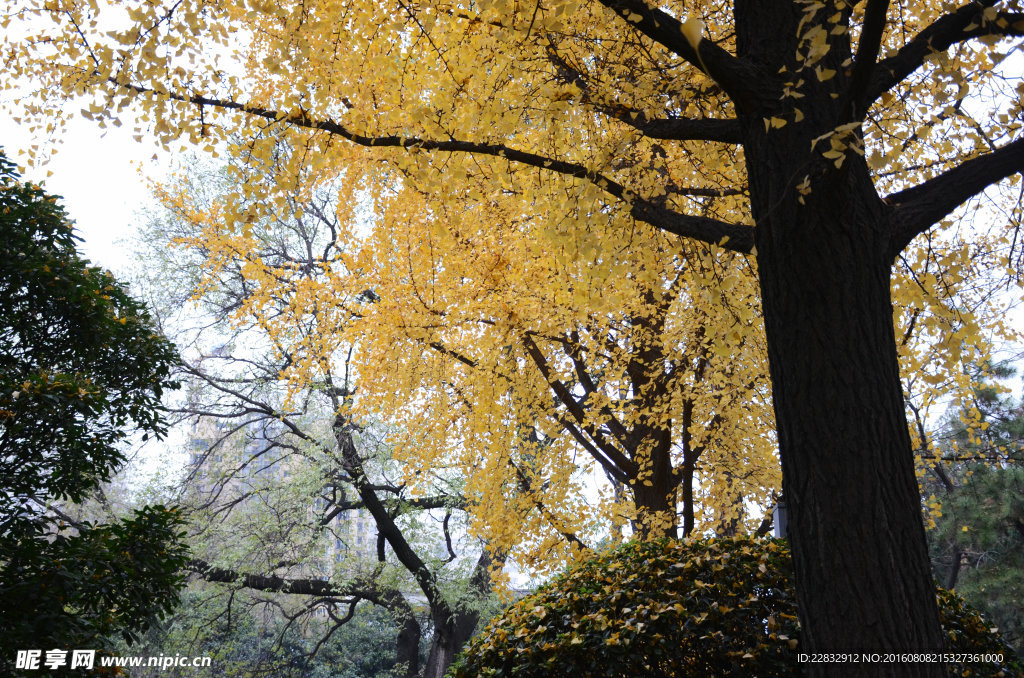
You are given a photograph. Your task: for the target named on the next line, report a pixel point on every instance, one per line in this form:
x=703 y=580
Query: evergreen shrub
x=717 y=607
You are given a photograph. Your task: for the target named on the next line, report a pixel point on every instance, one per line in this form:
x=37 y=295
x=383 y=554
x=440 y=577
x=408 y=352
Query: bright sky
x=97 y=174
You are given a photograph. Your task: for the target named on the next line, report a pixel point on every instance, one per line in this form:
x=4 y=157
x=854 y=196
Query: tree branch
x=622 y=464
x=917 y=209
x=706 y=230
x=273 y=583
x=744 y=83
x=867 y=53
x=727 y=131
x=440 y=610
x=525 y=486
x=562 y=419
x=963 y=24
x=734 y=237
x=419 y=503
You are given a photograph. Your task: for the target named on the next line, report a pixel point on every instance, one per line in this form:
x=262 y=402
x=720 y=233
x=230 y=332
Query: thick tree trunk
x=448 y=642
x=654 y=488
x=858 y=542
x=863 y=574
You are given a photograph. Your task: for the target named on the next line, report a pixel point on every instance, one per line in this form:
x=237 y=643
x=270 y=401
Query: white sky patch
x=97 y=173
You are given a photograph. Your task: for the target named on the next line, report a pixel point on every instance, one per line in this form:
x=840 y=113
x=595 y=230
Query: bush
x=721 y=607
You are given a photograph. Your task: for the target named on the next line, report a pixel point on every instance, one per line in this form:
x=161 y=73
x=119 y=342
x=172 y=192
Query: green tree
x=978 y=545
x=977 y=542
x=242 y=642
x=81 y=368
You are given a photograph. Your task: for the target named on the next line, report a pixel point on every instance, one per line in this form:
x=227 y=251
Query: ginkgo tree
x=817 y=137
x=280 y=472
x=525 y=369
x=462 y=391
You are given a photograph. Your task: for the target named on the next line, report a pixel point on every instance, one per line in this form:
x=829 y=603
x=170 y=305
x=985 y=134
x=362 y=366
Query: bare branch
x=917 y=209
x=440 y=610
x=419 y=503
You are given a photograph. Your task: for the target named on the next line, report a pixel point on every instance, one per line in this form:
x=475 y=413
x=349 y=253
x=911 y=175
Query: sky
x=97 y=172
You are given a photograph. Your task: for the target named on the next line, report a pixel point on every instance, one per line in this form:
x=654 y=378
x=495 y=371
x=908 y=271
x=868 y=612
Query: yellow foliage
x=495 y=171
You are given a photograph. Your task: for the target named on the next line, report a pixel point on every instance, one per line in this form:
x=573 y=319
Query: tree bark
x=863 y=575
x=449 y=638
x=407 y=644
x=858 y=542
x=654 y=488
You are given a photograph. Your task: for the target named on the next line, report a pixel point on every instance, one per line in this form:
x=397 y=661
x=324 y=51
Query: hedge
x=717 y=607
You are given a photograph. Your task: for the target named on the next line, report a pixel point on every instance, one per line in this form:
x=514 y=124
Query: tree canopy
x=81 y=368
x=809 y=142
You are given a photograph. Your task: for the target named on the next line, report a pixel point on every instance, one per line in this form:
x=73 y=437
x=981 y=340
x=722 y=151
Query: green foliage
x=79 y=359
x=256 y=640
x=982 y=523
x=977 y=542
x=720 y=607
x=81 y=368
x=72 y=590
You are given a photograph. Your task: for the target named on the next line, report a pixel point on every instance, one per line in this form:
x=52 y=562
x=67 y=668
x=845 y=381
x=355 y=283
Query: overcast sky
x=97 y=174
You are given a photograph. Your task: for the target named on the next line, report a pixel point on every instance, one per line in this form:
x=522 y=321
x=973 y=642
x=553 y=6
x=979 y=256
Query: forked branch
x=742 y=81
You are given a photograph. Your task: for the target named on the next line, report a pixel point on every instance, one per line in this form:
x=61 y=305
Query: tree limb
x=744 y=84
x=704 y=229
x=440 y=610
x=727 y=131
x=735 y=237
x=917 y=209
x=867 y=53
x=420 y=503
x=525 y=486
x=622 y=464
x=963 y=24
x=275 y=584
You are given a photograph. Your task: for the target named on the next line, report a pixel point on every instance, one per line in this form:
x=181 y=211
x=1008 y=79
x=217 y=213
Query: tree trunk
x=686 y=474
x=447 y=643
x=863 y=575
x=407 y=645
x=654 y=488
x=858 y=543
x=449 y=638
